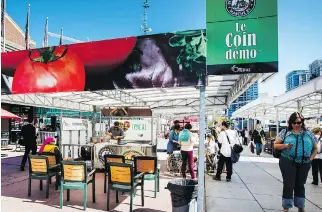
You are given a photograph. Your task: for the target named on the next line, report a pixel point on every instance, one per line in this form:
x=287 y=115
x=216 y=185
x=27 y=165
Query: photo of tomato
x=47 y=70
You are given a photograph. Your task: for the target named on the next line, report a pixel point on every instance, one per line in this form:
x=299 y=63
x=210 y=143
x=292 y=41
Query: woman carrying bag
x=298 y=147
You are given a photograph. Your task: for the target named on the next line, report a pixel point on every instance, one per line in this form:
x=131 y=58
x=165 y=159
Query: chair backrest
x=74 y=171
x=120 y=173
x=38 y=164
x=113 y=159
x=145 y=164
x=51 y=158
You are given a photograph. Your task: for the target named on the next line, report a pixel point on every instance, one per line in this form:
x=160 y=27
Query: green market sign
x=242 y=36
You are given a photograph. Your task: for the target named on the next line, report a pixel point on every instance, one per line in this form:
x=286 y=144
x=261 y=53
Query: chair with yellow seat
x=75 y=176
x=121 y=178
x=148 y=165
x=54 y=163
x=39 y=169
x=108 y=158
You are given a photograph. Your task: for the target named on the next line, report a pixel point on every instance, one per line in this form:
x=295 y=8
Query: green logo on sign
x=239 y=8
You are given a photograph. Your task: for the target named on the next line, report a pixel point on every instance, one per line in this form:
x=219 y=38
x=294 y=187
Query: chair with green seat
x=75 y=176
x=108 y=158
x=39 y=169
x=121 y=178
x=148 y=165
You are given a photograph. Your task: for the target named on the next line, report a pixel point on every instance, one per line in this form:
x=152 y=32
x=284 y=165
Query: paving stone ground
x=256 y=186
x=14 y=196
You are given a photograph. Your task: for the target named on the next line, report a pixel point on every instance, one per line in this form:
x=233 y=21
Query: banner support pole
x=201 y=163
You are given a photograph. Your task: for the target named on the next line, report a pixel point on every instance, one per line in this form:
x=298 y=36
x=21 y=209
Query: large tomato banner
x=161 y=60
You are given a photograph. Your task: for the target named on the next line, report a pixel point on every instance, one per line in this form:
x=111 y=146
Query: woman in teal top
x=299 y=147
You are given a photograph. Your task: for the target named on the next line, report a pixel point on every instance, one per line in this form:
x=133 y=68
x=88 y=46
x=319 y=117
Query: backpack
x=184 y=136
x=276 y=152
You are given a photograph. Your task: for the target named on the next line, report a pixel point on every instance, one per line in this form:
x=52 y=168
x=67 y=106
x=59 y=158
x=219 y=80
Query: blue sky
x=300 y=29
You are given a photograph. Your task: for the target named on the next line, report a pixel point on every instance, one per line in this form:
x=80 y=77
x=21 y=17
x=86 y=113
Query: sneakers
x=228 y=179
x=217 y=178
x=22 y=168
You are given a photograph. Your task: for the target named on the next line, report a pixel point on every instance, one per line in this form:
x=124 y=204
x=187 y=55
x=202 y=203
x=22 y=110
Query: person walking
x=317 y=161
x=246 y=136
x=173 y=143
x=243 y=135
x=228 y=139
x=187 y=141
x=257 y=138
x=298 y=148
x=28 y=133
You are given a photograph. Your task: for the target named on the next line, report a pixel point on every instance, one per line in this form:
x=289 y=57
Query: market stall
x=137 y=125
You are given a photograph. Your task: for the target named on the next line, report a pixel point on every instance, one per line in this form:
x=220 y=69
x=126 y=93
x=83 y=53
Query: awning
x=7 y=115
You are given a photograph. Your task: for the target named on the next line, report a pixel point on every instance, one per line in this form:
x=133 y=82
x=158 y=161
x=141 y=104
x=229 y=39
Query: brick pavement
x=14 y=194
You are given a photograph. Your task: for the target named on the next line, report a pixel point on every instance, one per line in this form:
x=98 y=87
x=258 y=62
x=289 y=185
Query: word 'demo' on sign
x=243 y=40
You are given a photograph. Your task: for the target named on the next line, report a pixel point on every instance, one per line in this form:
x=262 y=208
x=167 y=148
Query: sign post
x=242 y=37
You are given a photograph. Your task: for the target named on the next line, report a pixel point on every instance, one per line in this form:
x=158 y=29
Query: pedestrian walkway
x=256 y=186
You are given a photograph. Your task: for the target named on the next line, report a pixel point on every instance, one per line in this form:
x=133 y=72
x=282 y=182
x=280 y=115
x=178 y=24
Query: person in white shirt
x=186 y=141
x=211 y=145
x=317 y=161
x=228 y=138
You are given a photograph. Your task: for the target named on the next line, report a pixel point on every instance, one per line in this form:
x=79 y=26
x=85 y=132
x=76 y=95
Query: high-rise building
x=249 y=95
x=316 y=68
x=297 y=78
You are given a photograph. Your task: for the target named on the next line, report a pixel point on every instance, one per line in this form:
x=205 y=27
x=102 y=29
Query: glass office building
x=316 y=68
x=249 y=95
x=297 y=78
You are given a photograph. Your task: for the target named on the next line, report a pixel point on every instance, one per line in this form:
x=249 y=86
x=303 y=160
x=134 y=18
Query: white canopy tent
x=220 y=92
x=306 y=99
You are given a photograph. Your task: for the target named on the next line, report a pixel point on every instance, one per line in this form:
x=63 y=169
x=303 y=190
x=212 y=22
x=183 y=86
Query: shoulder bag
x=276 y=152
x=235 y=151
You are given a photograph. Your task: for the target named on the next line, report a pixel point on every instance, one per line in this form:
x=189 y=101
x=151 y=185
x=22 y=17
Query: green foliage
x=194 y=50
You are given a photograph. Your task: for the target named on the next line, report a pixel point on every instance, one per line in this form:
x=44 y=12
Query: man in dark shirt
x=116 y=132
x=28 y=132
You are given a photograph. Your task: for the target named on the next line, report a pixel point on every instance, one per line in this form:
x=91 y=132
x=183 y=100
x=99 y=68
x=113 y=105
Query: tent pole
x=277 y=122
x=201 y=163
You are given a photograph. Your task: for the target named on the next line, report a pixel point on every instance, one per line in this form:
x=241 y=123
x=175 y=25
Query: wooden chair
x=121 y=178
x=111 y=158
x=75 y=176
x=148 y=165
x=39 y=169
x=53 y=163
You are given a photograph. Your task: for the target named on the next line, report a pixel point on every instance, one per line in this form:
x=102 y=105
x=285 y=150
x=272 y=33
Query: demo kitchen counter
x=129 y=150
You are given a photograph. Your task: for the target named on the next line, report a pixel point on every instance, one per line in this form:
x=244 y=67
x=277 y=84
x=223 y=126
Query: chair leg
x=93 y=188
x=29 y=187
x=61 y=195
x=40 y=185
x=155 y=185
x=85 y=196
x=47 y=186
x=158 y=178
x=131 y=199
x=105 y=183
x=142 y=192
x=108 y=198
x=57 y=182
x=117 y=197
x=68 y=194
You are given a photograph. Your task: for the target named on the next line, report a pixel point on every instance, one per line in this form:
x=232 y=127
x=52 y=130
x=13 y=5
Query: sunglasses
x=298 y=123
